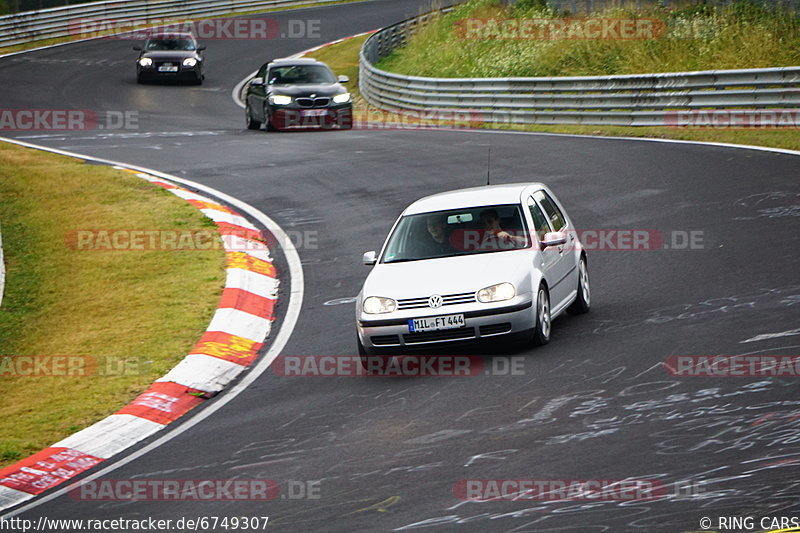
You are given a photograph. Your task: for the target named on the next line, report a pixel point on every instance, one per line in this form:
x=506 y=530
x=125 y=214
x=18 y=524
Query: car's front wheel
x=252 y=124
x=541 y=330
x=372 y=362
x=584 y=299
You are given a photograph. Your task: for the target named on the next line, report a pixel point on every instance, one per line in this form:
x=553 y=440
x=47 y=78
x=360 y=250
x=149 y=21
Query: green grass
x=744 y=34
x=343 y=59
x=144 y=307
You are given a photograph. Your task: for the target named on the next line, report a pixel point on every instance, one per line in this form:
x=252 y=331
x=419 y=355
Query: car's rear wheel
x=584 y=299
x=541 y=330
x=252 y=124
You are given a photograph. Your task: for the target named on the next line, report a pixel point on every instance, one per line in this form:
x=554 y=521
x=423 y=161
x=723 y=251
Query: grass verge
x=141 y=309
x=343 y=59
x=473 y=41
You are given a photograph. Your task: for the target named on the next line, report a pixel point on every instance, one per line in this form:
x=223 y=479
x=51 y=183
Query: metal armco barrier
x=61 y=21
x=623 y=100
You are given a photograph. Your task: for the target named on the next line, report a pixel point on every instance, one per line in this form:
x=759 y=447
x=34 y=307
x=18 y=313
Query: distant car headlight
x=497 y=293
x=189 y=62
x=280 y=99
x=377 y=305
x=341 y=98
x=146 y=62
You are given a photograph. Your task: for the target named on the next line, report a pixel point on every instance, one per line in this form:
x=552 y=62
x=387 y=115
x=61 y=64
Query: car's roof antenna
x=489 y=167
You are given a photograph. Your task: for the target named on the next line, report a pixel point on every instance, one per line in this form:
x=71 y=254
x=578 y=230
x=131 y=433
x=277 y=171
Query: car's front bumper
x=481 y=322
x=336 y=116
x=183 y=73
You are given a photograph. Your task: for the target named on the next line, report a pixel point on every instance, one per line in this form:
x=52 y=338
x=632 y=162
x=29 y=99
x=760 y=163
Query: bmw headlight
x=189 y=62
x=280 y=99
x=497 y=293
x=377 y=305
x=146 y=62
x=341 y=98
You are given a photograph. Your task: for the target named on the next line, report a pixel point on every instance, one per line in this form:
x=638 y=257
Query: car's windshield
x=170 y=44
x=475 y=230
x=300 y=74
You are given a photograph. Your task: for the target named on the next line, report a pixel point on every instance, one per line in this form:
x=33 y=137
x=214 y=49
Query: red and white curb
x=237 y=332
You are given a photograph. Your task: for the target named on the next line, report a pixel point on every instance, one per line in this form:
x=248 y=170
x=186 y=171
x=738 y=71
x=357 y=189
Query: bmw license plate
x=313 y=112
x=435 y=323
x=168 y=68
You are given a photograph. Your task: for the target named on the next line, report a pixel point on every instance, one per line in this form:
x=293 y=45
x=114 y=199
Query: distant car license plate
x=168 y=68
x=313 y=112
x=435 y=323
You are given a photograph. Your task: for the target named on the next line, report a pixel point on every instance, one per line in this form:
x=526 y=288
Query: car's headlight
x=280 y=99
x=497 y=293
x=341 y=98
x=189 y=62
x=377 y=305
x=146 y=62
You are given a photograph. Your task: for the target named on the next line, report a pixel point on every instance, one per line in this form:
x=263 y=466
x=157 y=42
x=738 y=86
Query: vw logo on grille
x=435 y=301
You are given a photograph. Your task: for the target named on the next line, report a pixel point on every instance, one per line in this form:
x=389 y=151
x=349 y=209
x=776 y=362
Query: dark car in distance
x=176 y=57
x=297 y=93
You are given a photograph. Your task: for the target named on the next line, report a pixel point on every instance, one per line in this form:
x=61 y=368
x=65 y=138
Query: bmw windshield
x=301 y=75
x=455 y=232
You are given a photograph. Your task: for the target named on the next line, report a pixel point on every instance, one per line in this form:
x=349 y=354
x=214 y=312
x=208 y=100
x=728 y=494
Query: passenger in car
x=491 y=223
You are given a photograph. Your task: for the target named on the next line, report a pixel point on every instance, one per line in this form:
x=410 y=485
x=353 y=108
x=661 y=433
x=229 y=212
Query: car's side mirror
x=343 y=79
x=257 y=82
x=201 y=48
x=370 y=258
x=554 y=238
x=137 y=48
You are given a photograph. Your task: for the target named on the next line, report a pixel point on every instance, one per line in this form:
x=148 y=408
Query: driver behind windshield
x=170 y=44
x=436 y=241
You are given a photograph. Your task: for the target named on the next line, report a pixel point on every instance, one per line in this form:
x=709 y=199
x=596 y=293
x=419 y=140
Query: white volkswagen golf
x=473 y=264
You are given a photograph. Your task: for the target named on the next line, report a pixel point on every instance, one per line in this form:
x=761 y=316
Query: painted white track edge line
x=279 y=341
x=237 y=90
x=783 y=151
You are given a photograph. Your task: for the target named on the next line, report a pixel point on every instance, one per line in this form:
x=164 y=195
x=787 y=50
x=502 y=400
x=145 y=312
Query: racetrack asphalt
x=595 y=403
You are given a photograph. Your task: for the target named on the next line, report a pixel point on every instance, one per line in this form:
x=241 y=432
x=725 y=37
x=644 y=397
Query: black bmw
x=175 y=57
x=297 y=93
